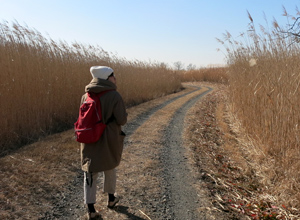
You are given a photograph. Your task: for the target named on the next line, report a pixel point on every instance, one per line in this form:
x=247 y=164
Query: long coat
x=106 y=153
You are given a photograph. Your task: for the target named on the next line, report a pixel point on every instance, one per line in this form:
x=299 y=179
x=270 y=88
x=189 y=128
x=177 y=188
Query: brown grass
x=214 y=75
x=264 y=94
x=42 y=82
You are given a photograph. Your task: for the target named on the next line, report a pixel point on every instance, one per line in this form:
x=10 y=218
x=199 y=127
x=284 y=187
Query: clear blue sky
x=155 y=30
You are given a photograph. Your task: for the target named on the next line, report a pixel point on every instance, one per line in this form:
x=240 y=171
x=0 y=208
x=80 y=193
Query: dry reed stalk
x=264 y=94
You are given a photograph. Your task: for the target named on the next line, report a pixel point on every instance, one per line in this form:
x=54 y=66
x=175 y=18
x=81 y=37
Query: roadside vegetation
x=264 y=95
x=255 y=165
x=42 y=82
x=213 y=74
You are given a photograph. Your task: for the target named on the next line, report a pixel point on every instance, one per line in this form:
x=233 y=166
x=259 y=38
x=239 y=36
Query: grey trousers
x=90 y=185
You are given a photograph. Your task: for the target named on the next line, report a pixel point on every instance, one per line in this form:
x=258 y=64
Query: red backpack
x=89 y=127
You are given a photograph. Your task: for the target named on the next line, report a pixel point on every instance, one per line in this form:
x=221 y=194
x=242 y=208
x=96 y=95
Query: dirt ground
x=170 y=149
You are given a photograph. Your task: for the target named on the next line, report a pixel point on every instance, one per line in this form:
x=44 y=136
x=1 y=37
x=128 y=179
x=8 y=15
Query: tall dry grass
x=42 y=82
x=264 y=92
x=213 y=74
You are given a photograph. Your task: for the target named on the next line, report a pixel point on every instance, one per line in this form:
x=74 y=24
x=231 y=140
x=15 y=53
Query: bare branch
x=293 y=25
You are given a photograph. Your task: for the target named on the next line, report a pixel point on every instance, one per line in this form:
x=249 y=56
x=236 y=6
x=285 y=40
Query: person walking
x=105 y=154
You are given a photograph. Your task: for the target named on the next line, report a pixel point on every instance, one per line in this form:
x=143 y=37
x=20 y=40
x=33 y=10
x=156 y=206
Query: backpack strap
x=98 y=95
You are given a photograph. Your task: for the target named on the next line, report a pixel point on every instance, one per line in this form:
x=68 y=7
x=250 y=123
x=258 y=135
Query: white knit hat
x=101 y=72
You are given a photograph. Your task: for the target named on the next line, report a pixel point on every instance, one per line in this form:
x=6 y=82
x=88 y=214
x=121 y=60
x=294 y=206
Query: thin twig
x=145 y=214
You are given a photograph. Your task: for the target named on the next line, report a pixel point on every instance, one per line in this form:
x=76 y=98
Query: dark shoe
x=111 y=204
x=93 y=215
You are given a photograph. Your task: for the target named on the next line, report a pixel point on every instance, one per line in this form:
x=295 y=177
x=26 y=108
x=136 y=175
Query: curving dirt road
x=178 y=199
x=182 y=197
x=155 y=180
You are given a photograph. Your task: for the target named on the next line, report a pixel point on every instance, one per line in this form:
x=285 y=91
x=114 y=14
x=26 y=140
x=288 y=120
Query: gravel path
x=179 y=198
x=180 y=194
x=131 y=126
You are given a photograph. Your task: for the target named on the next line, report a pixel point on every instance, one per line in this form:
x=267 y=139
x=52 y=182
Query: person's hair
x=112 y=74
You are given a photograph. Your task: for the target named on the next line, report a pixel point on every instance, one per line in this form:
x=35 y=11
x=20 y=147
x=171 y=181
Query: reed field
x=264 y=91
x=42 y=82
x=213 y=74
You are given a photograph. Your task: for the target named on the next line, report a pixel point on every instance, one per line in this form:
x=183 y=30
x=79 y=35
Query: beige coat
x=106 y=153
